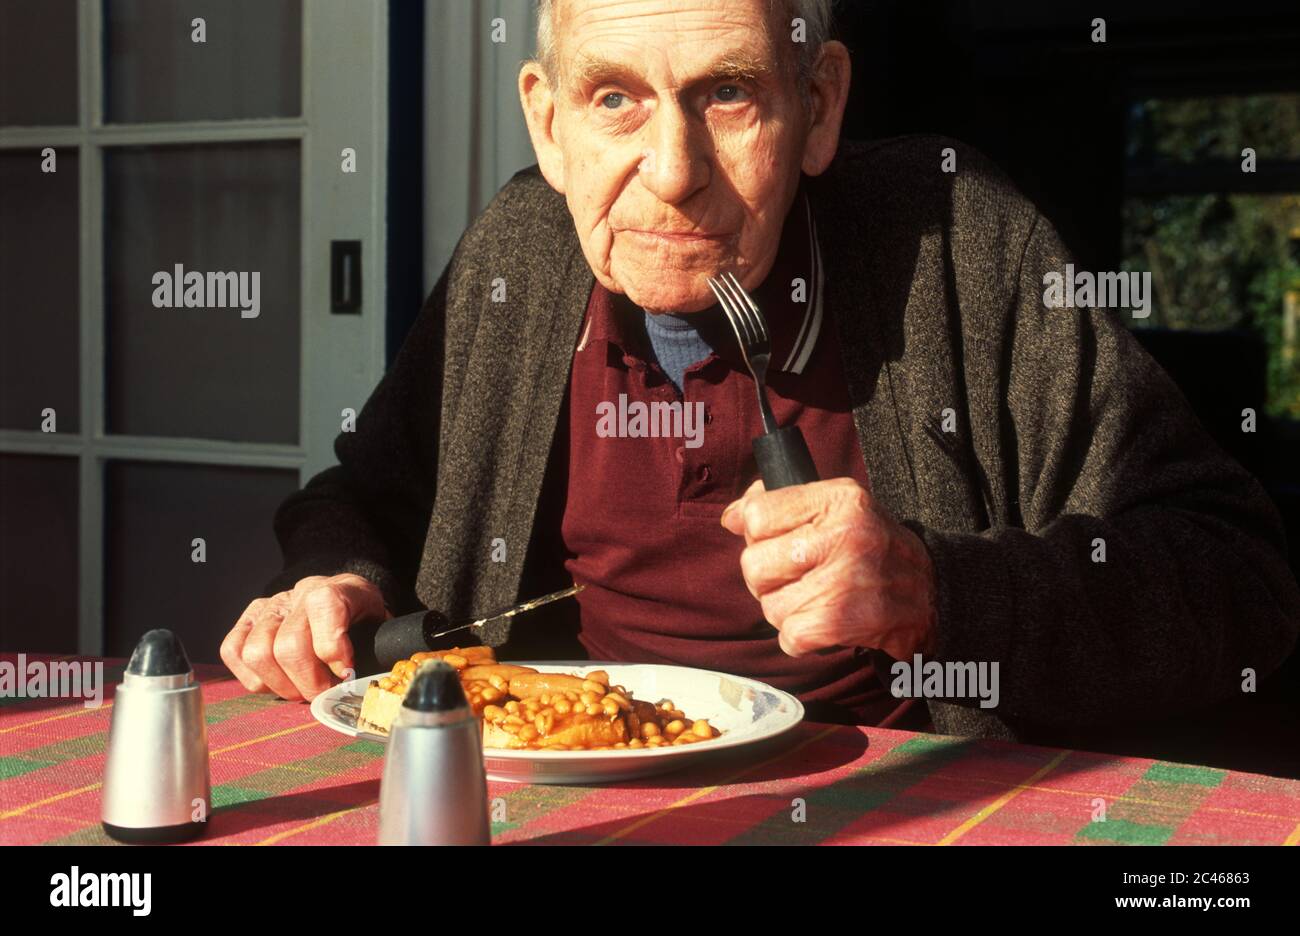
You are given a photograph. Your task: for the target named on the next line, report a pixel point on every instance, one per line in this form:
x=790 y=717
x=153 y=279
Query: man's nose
x=675 y=162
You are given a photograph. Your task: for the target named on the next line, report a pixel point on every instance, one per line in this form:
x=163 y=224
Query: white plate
x=746 y=711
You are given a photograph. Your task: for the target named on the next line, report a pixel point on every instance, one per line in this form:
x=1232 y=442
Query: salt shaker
x=156 y=782
x=434 y=789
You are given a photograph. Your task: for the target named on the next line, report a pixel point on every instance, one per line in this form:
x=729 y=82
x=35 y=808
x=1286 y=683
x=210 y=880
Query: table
x=279 y=777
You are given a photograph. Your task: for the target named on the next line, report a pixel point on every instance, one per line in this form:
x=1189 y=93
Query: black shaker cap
x=159 y=653
x=435 y=688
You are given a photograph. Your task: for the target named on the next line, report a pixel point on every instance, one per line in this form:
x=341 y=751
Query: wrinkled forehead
x=669 y=40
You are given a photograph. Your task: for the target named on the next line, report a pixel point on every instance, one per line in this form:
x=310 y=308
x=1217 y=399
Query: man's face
x=682 y=131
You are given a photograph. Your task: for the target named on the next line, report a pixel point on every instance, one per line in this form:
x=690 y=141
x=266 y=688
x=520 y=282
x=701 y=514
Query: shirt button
x=681 y=454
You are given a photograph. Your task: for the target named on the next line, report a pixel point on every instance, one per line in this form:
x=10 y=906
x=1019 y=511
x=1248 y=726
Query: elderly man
x=1005 y=483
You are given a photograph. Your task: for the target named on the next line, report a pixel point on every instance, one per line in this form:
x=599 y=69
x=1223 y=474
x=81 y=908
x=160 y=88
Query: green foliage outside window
x=1220 y=260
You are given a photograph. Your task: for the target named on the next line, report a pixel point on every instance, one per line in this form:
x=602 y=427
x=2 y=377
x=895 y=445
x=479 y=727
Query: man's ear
x=829 y=92
x=538 y=102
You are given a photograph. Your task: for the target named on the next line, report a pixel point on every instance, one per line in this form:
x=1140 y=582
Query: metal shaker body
x=434 y=788
x=157 y=764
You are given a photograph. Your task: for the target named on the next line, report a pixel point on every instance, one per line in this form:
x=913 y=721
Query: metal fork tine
x=751 y=334
x=725 y=301
x=740 y=312
x=754 y=316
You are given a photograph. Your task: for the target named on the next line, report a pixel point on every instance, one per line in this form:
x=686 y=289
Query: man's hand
x=831 y=567
x=290 y=643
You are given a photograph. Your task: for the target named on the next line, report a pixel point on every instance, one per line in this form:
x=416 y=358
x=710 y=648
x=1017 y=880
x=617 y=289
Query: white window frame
x=344 y=103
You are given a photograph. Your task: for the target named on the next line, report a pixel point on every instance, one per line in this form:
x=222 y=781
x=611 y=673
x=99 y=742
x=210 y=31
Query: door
x=178 y=353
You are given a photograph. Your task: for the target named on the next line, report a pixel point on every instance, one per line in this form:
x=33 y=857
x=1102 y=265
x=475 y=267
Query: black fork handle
x=783 y=459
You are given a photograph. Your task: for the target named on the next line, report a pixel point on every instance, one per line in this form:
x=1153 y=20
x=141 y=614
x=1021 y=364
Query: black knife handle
x=783 y=459
x=377 y=645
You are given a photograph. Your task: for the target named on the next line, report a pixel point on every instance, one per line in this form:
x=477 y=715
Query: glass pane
x=38 y=267
x=1194 y=129
x=249 y=64
x=39 y=581
x=1224 y=261
x=38 y=63
x=153 y=513
x=205 y=371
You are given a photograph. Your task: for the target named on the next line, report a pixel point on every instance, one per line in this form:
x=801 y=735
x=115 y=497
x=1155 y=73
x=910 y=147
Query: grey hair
x=816 y=14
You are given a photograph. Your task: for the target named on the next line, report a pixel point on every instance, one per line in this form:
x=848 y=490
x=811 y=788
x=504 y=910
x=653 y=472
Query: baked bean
x=529 y=705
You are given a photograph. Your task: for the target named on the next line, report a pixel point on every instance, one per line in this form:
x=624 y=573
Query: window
x=145 y=444
x=1219 y=234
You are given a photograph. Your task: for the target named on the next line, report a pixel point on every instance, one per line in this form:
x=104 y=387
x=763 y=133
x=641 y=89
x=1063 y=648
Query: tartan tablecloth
x=278 y=777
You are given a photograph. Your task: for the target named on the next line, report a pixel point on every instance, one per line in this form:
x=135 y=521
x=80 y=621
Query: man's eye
x=613 y=100
x=730 y=93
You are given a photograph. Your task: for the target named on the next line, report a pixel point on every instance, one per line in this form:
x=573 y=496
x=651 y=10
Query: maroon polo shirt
x=641 y=523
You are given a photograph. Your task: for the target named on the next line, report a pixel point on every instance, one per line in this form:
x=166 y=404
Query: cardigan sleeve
x=369 y=513
x=1147 y=571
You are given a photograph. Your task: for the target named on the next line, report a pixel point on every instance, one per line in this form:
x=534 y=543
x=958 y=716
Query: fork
x=781 y=453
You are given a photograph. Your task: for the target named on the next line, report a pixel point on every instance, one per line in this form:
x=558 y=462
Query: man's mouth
x=679 y=237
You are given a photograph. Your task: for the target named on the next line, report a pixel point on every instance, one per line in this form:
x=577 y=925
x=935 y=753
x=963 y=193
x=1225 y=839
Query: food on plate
x=522 y=708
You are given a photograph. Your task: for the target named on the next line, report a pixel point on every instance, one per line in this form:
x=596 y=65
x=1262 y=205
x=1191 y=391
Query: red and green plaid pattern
x=279 y=777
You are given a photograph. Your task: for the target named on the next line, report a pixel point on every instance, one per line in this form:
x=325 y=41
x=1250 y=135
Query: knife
x=377 y=645
x=510 y=612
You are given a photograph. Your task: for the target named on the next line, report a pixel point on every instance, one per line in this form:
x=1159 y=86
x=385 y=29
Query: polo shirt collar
x=790 y=298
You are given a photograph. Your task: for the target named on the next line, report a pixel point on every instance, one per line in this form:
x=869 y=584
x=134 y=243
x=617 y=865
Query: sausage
x=484 y=670
x=534 y=684
x=476 y=654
